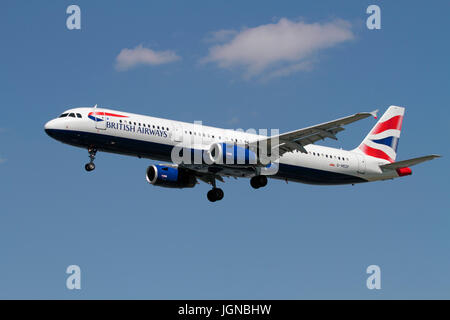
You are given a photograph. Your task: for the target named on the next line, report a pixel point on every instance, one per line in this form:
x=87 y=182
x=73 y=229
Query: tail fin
x=382 y=141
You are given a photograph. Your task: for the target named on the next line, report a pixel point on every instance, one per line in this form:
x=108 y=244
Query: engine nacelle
x=225 y=153
x=169 y=177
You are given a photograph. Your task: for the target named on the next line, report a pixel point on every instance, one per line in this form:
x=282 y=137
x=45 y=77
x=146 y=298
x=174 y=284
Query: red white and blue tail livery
x=382 y=141
x=201 y=153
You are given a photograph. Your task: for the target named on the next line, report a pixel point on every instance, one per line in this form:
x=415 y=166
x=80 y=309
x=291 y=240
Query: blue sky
x=292 y=241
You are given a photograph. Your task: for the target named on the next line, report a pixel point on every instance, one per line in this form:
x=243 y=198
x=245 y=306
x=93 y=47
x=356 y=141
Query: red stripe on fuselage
x=374 y=152
x=115 y=115
x=107 y=114
x=392 y=123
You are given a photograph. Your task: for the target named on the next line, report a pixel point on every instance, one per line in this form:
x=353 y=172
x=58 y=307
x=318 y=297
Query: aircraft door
x=177 y=134
x=361 y=164
x=100 y=122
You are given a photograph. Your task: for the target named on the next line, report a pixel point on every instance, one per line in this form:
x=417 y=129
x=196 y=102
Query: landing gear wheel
x=219 y=194
x=258 y=181
x=215 y=194
x=89 y=166
x=211 y=195
x=262 y=181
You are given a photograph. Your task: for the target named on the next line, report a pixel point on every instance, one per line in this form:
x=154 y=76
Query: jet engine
x=170 y=177
x=233 y=154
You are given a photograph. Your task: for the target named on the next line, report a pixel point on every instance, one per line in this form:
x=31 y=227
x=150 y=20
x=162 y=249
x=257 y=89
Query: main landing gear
x=91 y=166
x=215 y=194
x=258 y=181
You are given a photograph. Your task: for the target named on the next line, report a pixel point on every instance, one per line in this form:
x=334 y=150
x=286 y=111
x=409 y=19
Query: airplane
x=209 y=154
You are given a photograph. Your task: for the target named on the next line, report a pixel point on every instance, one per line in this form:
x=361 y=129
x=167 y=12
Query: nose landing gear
x=90 y=165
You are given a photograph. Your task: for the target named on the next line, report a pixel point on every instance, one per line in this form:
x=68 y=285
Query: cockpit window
x=78 y=115
x=63 y=115
x=72 y=115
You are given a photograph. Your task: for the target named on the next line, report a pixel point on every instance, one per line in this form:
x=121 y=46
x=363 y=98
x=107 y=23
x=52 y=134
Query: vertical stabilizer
x=382 y=141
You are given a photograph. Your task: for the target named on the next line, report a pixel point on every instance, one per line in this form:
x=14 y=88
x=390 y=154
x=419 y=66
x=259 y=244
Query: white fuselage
x=153 y=138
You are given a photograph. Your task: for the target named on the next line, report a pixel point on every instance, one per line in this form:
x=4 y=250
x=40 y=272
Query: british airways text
x=137 y=129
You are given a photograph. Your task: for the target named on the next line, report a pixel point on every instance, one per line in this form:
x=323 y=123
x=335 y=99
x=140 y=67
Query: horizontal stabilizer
x=408 y=163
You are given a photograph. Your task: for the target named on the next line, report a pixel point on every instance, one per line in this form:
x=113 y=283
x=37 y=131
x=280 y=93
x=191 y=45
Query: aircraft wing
x=297 y=139
x=409 y=162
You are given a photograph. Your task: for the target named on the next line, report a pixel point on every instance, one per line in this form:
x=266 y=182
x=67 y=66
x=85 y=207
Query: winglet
x=374 y=113
x=95 y=106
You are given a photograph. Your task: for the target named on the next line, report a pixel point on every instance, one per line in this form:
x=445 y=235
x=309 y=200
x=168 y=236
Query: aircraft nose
x=49 y=126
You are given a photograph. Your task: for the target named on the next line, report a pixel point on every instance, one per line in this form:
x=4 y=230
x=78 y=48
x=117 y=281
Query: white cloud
x=279 y=48
x=129 y=58
x=289 y=69
x=220 y=36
